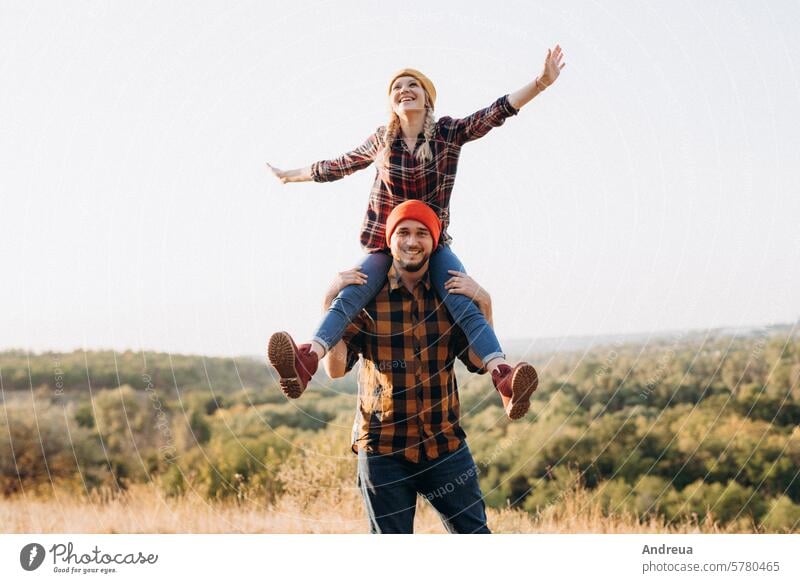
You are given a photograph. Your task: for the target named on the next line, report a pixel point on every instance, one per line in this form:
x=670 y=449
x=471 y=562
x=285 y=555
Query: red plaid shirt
x=407 y=179
x=407 y=393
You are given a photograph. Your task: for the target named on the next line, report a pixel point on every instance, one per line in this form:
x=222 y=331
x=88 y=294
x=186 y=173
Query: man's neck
x=410 y=279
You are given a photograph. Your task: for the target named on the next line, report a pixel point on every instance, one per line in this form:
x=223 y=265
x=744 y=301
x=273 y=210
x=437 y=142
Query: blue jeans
x=352 y=299
x=389 y=486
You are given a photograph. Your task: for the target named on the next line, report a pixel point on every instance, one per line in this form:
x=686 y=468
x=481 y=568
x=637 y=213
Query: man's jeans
x=352 y=299
x=389 y=486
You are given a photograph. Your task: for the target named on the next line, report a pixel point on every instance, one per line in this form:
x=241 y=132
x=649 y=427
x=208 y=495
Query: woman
x=416 y=157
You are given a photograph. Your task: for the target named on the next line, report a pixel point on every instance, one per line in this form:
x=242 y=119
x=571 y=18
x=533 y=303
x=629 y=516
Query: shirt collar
x=395 y=282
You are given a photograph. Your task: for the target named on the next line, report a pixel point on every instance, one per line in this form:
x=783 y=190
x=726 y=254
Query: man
x=407 y=433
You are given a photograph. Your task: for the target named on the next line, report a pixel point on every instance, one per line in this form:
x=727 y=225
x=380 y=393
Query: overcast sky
x=653 y=187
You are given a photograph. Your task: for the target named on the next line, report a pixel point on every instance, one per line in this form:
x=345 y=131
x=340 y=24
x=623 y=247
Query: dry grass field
x=144 y=509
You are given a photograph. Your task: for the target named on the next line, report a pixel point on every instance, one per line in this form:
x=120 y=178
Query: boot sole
x=523 y=383
x=281 y=355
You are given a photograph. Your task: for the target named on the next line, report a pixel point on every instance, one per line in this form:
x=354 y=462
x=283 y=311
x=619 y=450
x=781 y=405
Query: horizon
x=587 y=341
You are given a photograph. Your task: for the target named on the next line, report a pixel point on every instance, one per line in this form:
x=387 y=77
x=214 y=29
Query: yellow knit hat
x=427 y=84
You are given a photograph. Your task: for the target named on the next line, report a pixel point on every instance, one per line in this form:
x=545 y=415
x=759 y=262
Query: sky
x=654 y=187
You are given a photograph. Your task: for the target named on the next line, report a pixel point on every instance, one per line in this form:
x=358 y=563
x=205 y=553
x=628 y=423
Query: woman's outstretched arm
x=552 y=68
x=330 y=170
x=478 y=124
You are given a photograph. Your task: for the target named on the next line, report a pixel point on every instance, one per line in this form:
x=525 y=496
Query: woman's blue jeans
x=352 y=299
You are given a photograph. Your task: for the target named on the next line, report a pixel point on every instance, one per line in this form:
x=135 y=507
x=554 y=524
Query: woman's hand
x=344 y=278
x=279 y=174
x=297 y=175
x=552 y=66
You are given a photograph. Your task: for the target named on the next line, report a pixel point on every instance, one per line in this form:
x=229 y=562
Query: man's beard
x=413 y=267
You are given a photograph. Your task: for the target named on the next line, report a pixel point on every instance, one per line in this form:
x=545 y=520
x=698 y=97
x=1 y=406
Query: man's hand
x=352 y=276
x=463 y=284
x=348 y=277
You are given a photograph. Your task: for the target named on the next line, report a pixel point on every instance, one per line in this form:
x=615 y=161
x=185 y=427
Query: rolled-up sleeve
x=479 y=123
x=357 y=159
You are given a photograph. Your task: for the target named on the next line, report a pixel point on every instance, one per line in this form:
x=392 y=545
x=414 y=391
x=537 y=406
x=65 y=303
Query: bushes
x=724 y=503
x=697 y=429
x=782 y=516
x=42 y=445
x=229 y=466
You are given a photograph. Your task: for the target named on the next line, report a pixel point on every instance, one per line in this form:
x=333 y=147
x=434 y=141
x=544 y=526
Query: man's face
x=411 y=245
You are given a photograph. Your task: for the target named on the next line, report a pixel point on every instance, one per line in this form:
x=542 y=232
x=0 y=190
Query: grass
x=144 y=509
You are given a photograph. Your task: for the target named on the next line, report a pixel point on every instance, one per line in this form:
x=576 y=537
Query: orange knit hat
x=427 y=84
x=418 y=211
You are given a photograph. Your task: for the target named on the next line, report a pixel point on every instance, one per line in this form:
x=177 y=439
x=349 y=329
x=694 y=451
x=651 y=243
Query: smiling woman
x=416 y=157
x=412 y=96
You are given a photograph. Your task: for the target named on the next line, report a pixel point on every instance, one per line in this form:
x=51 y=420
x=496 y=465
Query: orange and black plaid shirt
x=407 y=395
x=406 y=178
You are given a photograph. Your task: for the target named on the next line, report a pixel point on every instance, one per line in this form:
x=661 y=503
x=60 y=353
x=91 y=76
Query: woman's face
x=406 y=95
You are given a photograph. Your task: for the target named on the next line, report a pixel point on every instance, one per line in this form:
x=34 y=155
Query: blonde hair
x=424 y=153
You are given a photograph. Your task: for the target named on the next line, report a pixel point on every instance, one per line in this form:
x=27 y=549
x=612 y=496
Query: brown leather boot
x=295 y=365
x=515 y=385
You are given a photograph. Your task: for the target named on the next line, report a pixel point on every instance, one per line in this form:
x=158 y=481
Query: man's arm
x=336 y=360
x=339 y=358
x=463 y=284
x=485 y=305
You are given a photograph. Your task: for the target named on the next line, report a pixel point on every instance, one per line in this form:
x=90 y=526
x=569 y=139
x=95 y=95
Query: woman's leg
x=515 y=385
x=352 y=299
x=464 y=311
